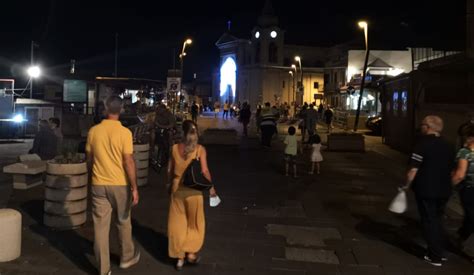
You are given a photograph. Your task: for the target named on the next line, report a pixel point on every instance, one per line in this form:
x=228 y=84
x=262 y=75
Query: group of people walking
x=434 y=169
x=309 y=116
x=114 y=191
x=229 y=110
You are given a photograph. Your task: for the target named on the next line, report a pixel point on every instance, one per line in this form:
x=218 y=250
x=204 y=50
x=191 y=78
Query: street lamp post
x=183 y=53
x=300 y=86
x=363 y=25
x=33 y=45
x=181 y=58
x=292 y=85
x=293 y=67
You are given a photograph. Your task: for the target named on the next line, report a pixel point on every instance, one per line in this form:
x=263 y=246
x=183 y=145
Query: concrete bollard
x=10 y=236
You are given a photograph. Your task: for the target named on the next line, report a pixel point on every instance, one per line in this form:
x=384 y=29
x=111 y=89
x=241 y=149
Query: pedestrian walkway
x=333 y=223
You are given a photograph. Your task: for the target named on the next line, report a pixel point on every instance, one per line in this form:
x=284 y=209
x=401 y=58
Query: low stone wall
x=346 y=142
x=220 y=136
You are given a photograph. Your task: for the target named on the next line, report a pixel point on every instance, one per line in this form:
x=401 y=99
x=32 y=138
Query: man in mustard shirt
x=114 y=186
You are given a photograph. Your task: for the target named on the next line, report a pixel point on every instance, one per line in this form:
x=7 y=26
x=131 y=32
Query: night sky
x=150 y=30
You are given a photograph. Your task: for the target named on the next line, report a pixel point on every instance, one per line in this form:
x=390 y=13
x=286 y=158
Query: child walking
x=291 y=150
x=316 y=157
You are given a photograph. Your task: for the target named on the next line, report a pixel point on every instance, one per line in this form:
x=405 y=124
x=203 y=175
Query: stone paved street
x=333 y=223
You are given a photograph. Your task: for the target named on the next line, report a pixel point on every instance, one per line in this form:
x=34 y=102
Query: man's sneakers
x=134 y=260
x=433 y=261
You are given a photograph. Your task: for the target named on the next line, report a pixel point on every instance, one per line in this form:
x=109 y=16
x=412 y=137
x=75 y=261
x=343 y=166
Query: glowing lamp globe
x=34 y=71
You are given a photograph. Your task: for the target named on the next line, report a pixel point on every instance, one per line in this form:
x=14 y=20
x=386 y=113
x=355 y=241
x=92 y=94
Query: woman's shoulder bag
x=193 y=177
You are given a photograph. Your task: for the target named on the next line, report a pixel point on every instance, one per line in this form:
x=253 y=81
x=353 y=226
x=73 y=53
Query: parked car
x=374 y=124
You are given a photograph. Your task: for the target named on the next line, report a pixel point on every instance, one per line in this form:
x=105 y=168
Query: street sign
x=174 y=84
x=74 y=91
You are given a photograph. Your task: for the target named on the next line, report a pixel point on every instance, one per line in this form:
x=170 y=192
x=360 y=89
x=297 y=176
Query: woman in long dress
x=186 y=221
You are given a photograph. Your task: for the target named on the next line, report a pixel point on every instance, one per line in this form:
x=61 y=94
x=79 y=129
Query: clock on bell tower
x=267 y=38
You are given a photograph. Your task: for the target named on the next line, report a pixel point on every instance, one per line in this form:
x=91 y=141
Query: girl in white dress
x=316 y=157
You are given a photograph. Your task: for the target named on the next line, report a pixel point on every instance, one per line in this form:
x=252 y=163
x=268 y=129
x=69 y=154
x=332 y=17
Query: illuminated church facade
x=257 y=70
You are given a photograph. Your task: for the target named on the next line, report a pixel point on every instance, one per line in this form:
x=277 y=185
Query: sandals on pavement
x=179 y=264
x=194 y=260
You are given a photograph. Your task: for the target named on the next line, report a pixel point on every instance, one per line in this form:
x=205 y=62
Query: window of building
x=369 y=104
x=326 y=79
x=257 y=53
x=272 y=53
x=283 y=84
x=395 y=103
x=316 y=85
x=335 y=77
x=404 y=103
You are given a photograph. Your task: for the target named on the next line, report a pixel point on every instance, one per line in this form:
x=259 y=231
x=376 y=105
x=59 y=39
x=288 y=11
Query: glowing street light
x=365 y=26
x=362 y=24
x=18 y=118
x=183 y=53
x=186 y=42
x=298 y=59
x=34 y=71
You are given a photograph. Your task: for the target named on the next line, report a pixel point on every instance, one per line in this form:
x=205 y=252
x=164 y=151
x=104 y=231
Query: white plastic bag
x=399 y=203
x=214 y=201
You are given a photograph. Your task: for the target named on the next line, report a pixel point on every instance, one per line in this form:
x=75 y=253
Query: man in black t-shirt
x=429 y=176
x=328 y=114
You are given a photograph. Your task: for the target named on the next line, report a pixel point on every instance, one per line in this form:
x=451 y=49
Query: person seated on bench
x=45 y=143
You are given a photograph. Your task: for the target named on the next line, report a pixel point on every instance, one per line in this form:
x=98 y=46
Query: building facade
x=257 y=70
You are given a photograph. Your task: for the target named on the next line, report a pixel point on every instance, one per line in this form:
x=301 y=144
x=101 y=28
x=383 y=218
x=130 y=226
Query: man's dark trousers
x=431 y=214
x=267 y=133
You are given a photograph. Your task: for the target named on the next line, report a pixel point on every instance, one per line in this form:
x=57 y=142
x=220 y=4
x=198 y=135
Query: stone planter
x=348 y=142
x=65 y=195
x=141 y=154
